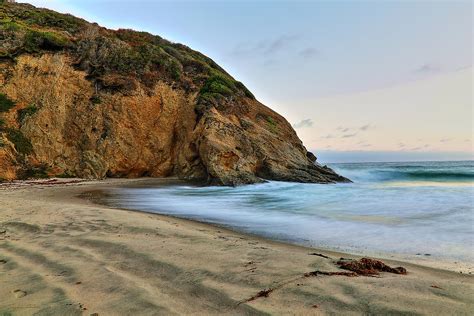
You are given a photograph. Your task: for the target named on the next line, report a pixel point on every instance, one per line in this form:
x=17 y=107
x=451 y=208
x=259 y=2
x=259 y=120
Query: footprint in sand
x=19 y=293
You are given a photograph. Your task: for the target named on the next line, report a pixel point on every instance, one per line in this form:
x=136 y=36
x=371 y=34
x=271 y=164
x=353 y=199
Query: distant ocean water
x=391 y=208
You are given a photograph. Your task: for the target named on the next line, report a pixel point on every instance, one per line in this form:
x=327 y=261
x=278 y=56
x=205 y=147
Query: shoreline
x=220 y=265
x=425 y=260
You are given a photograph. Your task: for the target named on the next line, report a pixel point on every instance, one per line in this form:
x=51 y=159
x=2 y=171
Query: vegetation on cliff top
x=113 y=59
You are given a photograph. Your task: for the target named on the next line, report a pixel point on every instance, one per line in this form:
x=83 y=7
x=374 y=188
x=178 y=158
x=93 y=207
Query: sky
x=358 y=80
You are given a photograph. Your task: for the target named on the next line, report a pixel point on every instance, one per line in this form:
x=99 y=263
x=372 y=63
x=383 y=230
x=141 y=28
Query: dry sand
x=61 y=254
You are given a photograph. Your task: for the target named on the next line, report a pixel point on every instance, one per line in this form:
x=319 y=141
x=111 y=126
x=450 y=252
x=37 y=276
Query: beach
x=62 y=253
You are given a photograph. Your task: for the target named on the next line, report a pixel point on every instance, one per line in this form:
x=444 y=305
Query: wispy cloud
x=362 y=128
x=309 y=53
x=327 y=136
x=349 y=135
x=427 y=68
x=420 y=147
x=365 y=127
x=303 y=123
x=265 y=47
x=445 y=140
x=343 y=129
x=279 y=43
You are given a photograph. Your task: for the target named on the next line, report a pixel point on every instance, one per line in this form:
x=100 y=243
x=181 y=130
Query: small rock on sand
x=19 y=293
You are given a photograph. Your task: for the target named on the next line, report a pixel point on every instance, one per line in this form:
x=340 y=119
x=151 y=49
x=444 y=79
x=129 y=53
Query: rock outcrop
x=80 y=100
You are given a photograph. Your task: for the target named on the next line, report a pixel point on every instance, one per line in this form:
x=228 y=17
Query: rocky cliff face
x=80 y=100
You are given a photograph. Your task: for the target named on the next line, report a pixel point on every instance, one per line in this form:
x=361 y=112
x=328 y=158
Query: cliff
x=77 y=99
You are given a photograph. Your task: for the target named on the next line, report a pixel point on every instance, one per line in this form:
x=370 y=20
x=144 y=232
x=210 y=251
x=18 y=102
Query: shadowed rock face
x=80 y=100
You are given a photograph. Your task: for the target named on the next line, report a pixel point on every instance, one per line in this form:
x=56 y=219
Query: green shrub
x=224 y=85
x=174 y=69
x=246 y=91
x=2 y=124
x=28 y=111
x=174 y=52
x=95 y=99
x=218 y=84
x=210 y=97
x=136 y=38
x=22 y=144
x=36 y=41
x=196 y=66
x=9 y=26
x=34 y=172
x=65 y=174
x=272 y=125
x=5 y=103
x=45 y=18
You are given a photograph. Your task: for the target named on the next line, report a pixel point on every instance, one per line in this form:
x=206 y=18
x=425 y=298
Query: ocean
x=404 y=208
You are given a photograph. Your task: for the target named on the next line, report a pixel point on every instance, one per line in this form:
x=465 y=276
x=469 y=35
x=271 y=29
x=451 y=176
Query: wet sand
x=60 y=253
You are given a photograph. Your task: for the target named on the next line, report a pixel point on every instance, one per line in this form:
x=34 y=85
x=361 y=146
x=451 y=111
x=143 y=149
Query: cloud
x=445 y=140
x=327 y=136
x=278 y=44
x=303 y=123
x=349 y=135
x=427 y=68
x=309 y=53
x=343 y=129
x=420 y=147
x=401 y=145
x=363 y=128
x=264 y=47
